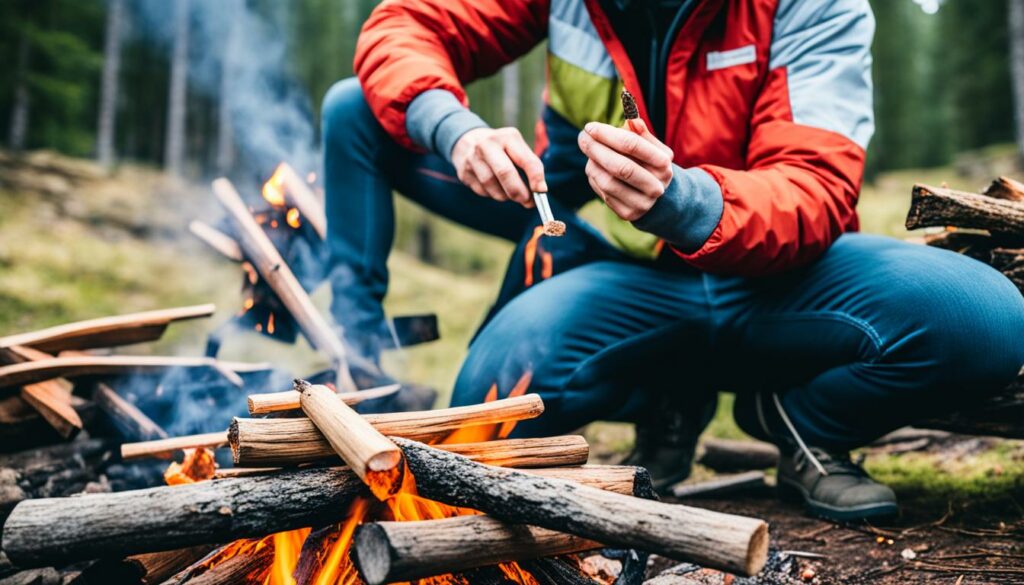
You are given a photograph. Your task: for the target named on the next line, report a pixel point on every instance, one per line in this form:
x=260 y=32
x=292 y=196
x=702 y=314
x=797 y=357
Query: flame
x=273 y=189
x=287 y=546
x=270 y=324
x=250 y=272
x=481 y=433
x=293 y=218
x=530 y=256
x=198 y=465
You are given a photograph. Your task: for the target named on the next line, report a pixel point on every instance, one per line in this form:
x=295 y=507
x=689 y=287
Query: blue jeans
x=875 y=335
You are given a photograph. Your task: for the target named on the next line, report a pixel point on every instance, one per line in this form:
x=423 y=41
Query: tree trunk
x=510 y=94
x=174 y=147
x=22 y=99
x=225 y=134
x=106 y=127
x=1016 y=25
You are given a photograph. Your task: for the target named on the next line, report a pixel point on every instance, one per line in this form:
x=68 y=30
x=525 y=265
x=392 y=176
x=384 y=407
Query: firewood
x=250 y=566
x=70 y=367
x=275 y=271
x=22 y=427
x=298 y=193
x=167 y=448
x=291 y=441
x=1006 y=259
x=289 y=399
x=106 y=331
x=1006 y=188
x=216 y=239
x=557 y=571
x=374 y=458
x=734 y=455
x=733 y=543
x=130 y=423
x=53 y=402
x=721 y=485
x=938 y=206
x=145 y=569
x=50 y=530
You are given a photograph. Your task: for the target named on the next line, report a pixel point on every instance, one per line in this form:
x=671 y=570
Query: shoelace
x=834 y=463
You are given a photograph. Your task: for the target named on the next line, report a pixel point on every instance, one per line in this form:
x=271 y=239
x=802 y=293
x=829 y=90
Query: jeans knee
x=344 y=109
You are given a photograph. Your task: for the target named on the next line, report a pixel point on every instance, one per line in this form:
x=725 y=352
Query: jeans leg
x=876 y=335
x=362 y=165
x=595 y=340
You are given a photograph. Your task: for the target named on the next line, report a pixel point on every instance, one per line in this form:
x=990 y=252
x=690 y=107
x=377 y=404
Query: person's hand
x=488 y=162
x=628 y=169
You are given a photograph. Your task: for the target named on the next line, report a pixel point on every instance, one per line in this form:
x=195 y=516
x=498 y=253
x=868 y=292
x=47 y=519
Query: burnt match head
x=629 y=105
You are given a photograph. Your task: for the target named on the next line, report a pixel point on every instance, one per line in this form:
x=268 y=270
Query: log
x=734 y=455
x=45 y=531
x=557 y=571
x=374 y=458
x=70 y=367
x=1001 y=415
x=22 y=427
x=106 y=331
x=722 y=485
x=1006 y=188
x=386 y=552
x=734 y=543
x=145 y=569
x=167 y=448
x=289 y=399
x=940 y=207
x=275 y=271
x=53 y=402
x=250 y=566
x=130 y=423
x=216 y=239
x=1006 y=259
x=298 y=193
x=291 y=441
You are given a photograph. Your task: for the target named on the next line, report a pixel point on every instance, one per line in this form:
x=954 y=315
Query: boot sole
x=791 y=491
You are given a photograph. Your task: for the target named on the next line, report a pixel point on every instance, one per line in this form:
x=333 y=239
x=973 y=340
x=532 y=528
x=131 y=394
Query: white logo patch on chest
x=731 y=58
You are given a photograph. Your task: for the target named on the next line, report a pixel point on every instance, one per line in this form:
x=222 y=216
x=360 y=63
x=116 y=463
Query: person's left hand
x=629 y=170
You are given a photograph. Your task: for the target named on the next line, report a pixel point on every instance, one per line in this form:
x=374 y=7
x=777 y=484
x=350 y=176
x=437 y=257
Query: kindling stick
x=289 y=399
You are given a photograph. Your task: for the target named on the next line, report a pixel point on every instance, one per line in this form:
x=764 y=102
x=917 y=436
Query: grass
x=120 y=244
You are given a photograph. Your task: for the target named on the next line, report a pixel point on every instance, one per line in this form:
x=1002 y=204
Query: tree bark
x=734 y=543
x=1006 y=188
x=251 y=566
x=291 y=441
x=940 y=207
x=109 y=84
x=174 y=146
x=1016 y=26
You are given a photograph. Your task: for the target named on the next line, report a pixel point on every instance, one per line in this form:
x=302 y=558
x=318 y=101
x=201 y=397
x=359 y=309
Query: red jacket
x=771 y=98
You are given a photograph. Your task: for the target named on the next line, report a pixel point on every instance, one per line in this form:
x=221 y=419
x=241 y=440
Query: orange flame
x=198 y=465
x=273 y=189
x=287 y=546
x=530 y=257
x=293 y=218
x=270 y=324
x=481 y=433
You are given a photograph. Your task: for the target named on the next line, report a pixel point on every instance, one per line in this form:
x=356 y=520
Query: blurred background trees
x=149 y=80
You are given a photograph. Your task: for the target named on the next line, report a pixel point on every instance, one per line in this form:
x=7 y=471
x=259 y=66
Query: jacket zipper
x=658 y=67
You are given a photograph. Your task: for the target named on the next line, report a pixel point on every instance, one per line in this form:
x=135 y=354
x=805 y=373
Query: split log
x=557 y=571
x=289 y=399
x=733 y=543
x=1006 y=188
x=291 y=441
x=298 y=193
x=50 y=530
x=51 y=398
x=130 y=423
x=250 y=566
x=940 y=207
x=106 y=331
x=374 y=458
x=216 y=239
x=275 y=271
x=145 y=569
x=22 y=427
x=167 y=448
x=70 y=367
x=734 y=455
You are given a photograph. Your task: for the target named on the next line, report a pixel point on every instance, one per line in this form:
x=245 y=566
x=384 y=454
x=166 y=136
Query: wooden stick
x=53 y=402
x=45 y=531
x=216 y=239
x=725 y=541
x=106 y=331
x=302 y=197
x=130 y=422
x=289 y=399
x=1006 y=188
x=940 y=207
x=388 y=552
x=291 y=441
x=166 y=448
x=735 y=455
x=69 y=367
x=721 y=485
x=250 y=566
x=275 y=271
x=374 y=458
x=145 y=569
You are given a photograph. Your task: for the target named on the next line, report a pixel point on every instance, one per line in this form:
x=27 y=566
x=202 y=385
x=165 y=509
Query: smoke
x=239 y=55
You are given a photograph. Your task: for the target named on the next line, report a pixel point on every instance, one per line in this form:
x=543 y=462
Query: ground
x=76 y=242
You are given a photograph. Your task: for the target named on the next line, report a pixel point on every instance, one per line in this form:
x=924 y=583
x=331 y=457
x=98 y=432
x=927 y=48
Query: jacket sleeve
x=408 y=47
x=805 y=161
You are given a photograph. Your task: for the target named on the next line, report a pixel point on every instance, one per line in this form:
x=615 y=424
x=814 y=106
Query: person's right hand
x=486 y=161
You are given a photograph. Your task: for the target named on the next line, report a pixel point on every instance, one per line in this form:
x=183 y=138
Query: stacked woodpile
x=989 y=227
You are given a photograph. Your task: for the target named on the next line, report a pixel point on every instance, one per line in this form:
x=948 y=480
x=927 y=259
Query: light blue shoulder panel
x=573 y=38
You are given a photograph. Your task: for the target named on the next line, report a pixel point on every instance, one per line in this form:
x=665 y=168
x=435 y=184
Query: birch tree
x=109 y=86
x=174 y=146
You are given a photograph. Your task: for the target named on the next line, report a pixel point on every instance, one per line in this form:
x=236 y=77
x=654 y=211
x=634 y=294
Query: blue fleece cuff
x=436 y=120
x=688 y=212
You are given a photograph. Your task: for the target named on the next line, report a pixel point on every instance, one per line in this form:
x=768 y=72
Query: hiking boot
x=666 y=443
x=833 y=487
